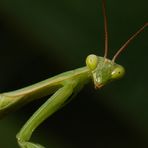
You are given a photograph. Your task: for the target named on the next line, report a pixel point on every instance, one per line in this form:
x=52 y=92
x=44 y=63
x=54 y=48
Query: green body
x=61 y=87
x=11 y=100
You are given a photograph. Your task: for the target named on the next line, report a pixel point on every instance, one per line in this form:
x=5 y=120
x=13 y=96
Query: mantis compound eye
x=118 y=72
x=92 y=61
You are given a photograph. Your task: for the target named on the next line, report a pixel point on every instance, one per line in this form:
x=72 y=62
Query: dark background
x=39 y=39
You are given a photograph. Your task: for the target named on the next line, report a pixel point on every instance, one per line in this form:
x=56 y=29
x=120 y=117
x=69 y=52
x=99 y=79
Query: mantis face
x=103 y=70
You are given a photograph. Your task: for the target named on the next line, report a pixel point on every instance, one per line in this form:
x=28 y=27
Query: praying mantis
x=64 y=87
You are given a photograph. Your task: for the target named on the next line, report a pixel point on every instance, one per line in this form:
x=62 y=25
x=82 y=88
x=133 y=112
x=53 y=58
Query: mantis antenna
x=106 y=34
x=105 y=29
x=128 y=41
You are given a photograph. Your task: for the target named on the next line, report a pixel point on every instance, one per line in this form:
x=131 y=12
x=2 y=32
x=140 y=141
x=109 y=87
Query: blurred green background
x=39 y=39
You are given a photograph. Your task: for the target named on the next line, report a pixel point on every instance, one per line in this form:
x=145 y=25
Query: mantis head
x=103 y=70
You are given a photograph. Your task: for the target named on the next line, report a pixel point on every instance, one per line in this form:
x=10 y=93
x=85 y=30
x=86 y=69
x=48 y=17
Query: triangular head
x=103 y=70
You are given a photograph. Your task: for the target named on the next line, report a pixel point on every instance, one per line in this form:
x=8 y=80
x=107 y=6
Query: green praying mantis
x=63 y=86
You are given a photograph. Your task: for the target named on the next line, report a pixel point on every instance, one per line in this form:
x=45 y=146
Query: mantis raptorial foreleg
x=48 y=108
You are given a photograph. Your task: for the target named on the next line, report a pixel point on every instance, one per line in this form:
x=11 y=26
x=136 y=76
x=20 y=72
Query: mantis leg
x=48 y=108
